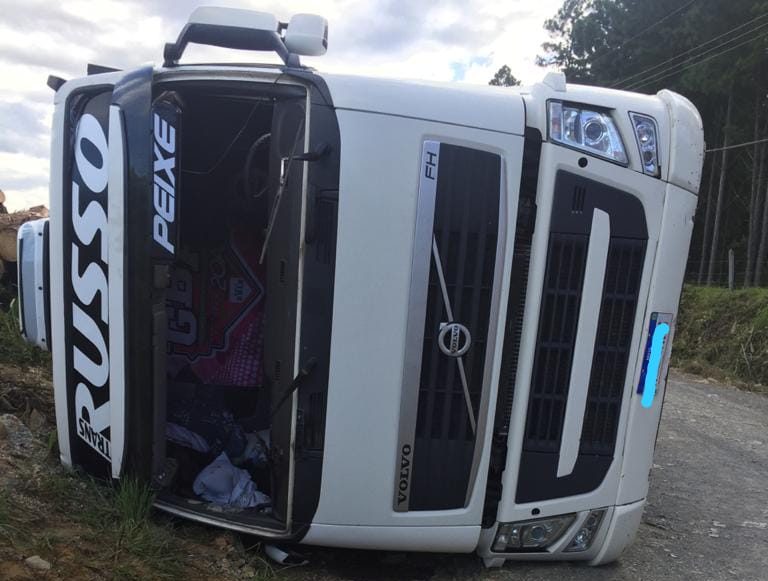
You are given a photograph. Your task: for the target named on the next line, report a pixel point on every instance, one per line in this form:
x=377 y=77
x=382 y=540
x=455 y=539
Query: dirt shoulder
x=59 y=525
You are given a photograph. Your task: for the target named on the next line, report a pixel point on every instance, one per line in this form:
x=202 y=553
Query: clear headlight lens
x=583 y=538
x=646 y=136
x=590 y=131
x=532 y=534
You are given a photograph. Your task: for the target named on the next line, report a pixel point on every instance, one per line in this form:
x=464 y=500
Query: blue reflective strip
x=654 y=363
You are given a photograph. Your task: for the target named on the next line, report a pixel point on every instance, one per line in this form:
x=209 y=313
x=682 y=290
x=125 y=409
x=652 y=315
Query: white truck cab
x=364 y=313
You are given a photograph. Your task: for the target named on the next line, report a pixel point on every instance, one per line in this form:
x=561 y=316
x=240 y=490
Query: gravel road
x=706 y=519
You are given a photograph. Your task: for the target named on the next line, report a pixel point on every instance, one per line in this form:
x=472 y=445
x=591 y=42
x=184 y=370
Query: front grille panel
x=444 y=413
x=466 y=223
x=557 y=334
x=614 y=335
x=574 y=203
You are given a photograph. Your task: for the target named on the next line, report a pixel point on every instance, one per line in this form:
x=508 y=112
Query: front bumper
x=617 y=531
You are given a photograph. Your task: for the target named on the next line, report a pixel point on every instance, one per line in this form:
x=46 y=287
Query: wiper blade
x=321 y=150
x=285 y=171
x=304 y=372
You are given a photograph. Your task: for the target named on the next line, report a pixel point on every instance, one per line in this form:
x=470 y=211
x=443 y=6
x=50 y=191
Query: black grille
x=522 y=259
x=609 y=367
x=513 y=331
x=466 y=225
x=557 y=335
x=314 y=421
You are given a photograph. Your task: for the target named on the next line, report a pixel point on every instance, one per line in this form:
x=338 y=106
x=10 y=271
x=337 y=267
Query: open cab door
x=192 y=252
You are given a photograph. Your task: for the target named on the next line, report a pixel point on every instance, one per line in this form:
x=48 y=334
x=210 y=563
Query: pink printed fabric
x=216 y=314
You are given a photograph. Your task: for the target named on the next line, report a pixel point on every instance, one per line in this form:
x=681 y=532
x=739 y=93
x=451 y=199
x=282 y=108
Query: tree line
x=716 y=54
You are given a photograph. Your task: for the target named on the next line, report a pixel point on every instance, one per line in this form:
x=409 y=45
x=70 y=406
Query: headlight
x=531 y=535
x=590 y=131
x=583 y=538
x=645 y=134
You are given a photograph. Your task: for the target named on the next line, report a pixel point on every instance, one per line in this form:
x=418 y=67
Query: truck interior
x=231 y=303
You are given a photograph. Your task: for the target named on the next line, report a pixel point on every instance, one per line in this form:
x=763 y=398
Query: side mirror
x=307 y=35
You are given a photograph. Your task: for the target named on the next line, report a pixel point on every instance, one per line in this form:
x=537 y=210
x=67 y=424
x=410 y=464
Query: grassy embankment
x=83 y=528
x=724 y=334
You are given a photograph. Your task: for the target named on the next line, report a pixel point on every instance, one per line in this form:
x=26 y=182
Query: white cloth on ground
x=223 y=483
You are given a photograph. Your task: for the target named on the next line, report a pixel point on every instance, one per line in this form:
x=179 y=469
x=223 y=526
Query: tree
x=707 y=219
x=727 y=128
x=504 y=78
x=711 y=52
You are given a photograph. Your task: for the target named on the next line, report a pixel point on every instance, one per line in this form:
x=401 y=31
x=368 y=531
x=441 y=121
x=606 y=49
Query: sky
x=462 y=41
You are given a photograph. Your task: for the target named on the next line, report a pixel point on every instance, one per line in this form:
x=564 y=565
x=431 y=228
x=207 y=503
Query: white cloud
x=463 y=40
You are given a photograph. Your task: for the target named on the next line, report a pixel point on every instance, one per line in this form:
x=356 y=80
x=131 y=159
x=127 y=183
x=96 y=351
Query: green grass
x=723 y=333
x=5 y=515
x=121 y=516
x=13 y=348
x=117 y=520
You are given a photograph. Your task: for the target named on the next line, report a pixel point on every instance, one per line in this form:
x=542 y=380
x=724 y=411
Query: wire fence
x=726 y=274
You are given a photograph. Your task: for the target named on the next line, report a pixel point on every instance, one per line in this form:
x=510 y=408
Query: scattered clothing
x=223 y=483
x=203 y=412
x=186 y=437
x=256 y=449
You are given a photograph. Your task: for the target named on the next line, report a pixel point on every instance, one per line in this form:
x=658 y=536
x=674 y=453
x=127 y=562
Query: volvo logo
x=405 y=474
x=454 y=339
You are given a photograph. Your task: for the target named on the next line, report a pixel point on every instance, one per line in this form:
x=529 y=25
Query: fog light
x=583 y=538
x=531 y=535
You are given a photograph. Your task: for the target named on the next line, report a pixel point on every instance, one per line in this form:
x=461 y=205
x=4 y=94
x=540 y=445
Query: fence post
x=731 y=268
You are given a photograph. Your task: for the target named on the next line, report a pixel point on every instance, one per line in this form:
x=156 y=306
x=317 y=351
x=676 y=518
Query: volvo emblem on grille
x=454 y=339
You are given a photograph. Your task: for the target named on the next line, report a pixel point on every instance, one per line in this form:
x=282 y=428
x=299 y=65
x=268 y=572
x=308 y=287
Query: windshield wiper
x=304 y=372
x=285 y=170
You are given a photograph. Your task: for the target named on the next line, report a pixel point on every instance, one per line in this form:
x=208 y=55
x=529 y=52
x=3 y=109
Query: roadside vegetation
x=724 y=334
x=13 y=349
x=88 y=530
x=62 y=517
x=81 y=528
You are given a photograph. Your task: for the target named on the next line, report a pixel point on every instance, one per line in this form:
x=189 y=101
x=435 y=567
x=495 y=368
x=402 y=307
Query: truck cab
x=363 y=313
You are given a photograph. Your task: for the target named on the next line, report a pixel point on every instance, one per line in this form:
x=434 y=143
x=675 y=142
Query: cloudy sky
x=454 y=40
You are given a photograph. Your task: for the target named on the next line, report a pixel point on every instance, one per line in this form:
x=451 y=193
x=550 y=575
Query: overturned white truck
x=363 y=313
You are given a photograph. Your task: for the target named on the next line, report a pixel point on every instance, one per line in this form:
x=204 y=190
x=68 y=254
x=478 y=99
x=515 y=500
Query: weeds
x=724 y=334
x=117 y=520
x=262 y=568
x=13 y=347
x=133 y=502
x=52 y=443
x=4 y=510
x=9 y=526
